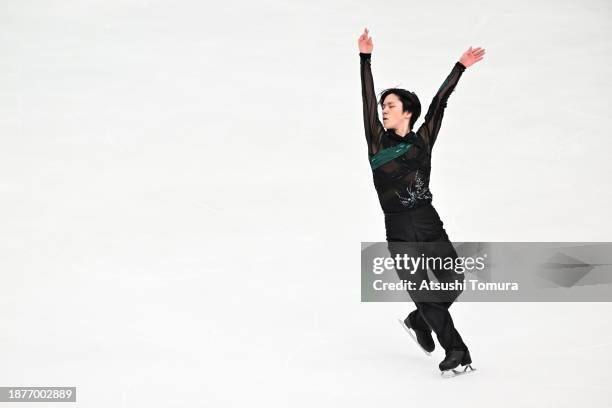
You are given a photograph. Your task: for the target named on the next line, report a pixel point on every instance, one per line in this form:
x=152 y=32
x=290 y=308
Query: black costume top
x=403 y=183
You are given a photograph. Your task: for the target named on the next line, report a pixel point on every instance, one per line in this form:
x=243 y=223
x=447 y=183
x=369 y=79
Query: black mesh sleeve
x=374 y=130
x=433 y=119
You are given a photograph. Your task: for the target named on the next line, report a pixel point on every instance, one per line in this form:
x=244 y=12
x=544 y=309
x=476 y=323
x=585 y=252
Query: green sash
x=388 y=154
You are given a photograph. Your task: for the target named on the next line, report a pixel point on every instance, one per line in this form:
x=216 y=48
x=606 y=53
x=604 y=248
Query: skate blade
x=456 y=372
x=413 y=336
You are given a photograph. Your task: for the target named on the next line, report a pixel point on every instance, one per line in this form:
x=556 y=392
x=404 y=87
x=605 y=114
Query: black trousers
x=420 y=233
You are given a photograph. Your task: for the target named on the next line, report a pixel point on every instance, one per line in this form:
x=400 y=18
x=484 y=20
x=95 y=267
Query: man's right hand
x=365 y=42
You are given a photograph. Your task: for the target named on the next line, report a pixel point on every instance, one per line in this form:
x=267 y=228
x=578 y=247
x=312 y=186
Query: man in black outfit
x=401 y=165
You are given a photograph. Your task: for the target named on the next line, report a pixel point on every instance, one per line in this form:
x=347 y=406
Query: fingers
x=478 y=51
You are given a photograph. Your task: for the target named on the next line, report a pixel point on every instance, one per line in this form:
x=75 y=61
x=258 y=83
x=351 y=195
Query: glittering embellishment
x=420 y=192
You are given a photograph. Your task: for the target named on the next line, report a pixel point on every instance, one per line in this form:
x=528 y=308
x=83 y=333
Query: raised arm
x=373 y=127
x=433 y=118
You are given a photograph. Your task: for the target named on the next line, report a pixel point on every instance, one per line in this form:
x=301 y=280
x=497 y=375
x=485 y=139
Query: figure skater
x=401 y=164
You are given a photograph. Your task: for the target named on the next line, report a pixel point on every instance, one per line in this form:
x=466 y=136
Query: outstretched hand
x=365 y=42
x=472 y=56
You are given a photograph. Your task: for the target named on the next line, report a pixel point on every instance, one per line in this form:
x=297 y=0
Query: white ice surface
x=184 y=187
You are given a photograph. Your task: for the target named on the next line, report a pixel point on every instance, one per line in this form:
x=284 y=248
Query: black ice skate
x=422 y=338
x=451 y=362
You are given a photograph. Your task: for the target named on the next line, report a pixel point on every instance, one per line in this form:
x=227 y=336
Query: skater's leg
x=414 y=322
x=443 y=249
x=417 y=321
x=436 y=314
x=439 y=319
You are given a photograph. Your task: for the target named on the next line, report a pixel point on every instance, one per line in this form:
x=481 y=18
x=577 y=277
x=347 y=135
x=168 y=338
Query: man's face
x=393 y=117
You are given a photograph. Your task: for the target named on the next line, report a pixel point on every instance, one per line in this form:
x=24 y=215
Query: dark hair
x=410 y=102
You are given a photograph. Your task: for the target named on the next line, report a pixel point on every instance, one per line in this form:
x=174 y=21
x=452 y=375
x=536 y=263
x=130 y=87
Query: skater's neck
x=402 y=130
